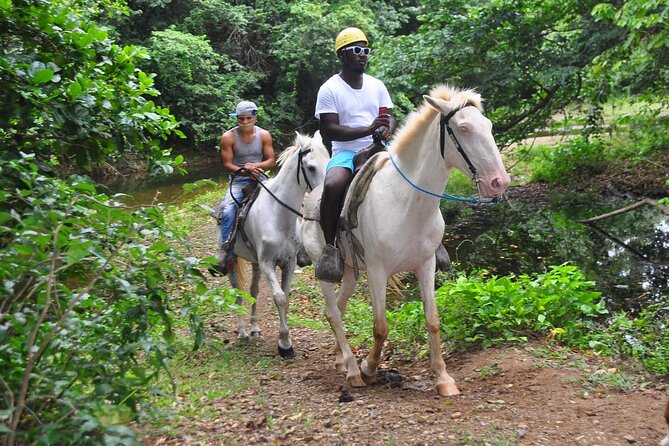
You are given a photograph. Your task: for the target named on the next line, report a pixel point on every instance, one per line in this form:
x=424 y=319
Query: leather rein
x=300 y=168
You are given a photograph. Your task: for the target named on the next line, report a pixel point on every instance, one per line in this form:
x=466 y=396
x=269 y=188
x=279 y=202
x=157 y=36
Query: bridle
x=444 y=126
x=300 y=168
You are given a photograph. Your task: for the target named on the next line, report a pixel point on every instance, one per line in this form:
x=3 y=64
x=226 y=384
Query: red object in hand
x=383 y=110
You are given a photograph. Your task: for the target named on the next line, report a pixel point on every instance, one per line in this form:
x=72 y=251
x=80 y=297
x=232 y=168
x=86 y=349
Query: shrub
x=88 y=302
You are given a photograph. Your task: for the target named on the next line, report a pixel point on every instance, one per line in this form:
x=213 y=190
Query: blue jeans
x=235 y=188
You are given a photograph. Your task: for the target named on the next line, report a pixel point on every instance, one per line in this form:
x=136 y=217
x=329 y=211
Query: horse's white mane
x=420 y=117
x=301 y=140
x=290 y=151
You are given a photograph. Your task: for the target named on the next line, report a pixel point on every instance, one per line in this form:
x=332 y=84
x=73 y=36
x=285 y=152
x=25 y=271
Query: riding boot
x=443 y=259
x=330 y=265
x=225 y=262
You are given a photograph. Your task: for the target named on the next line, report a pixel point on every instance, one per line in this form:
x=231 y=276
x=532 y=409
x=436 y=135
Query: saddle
x=251 y=192
x=365 y=169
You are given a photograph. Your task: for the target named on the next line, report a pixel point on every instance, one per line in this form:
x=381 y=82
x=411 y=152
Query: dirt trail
x=510 y=396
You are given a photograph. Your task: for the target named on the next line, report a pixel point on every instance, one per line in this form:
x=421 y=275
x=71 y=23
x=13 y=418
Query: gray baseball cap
x=245 y=108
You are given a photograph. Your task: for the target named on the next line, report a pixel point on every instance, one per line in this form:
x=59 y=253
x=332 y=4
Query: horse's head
x=468 y=134
x=312 y=159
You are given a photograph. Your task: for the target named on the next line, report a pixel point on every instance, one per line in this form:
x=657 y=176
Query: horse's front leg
x=334 y=317
x=425 y=275
x=344 y=293
x=255 y=285
x=376 y=281
x=281 y=301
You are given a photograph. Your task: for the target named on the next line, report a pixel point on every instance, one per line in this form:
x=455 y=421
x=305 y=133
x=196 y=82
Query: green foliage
x=648 y=130
x=69 y=91
x=201 y=85
x=528 y=60
x=485 y=311
x=514 y=308
x=644 y=336
x=577 y=157
x=89 y=292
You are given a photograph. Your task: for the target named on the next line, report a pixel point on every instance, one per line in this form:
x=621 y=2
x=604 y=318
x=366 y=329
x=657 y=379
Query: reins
x=444 y=127
x=300 y=168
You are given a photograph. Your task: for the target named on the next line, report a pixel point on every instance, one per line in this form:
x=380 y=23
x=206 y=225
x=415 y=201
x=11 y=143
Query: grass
x=192 y=213
x=203 y=377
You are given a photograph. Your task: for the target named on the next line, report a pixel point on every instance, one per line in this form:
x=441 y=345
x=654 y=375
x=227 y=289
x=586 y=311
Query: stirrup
x=330 y=265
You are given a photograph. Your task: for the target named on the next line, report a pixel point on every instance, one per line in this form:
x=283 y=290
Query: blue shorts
x=343 y=158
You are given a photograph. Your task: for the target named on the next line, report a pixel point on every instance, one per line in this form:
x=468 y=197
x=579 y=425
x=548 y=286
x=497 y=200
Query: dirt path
x=530 y=395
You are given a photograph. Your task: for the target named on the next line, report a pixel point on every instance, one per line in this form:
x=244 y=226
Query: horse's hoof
x=243 y=338
x=447 y=389
x=340 y=368
x=286 y=353
x=256 y=334
x=355 y=381
x=369 y=378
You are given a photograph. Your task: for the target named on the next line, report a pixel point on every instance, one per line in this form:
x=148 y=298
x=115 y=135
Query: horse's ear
x=300 y=139
x=438 y=104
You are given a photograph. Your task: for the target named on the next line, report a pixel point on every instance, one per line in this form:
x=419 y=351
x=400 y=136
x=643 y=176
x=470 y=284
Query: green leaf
x=43 y=75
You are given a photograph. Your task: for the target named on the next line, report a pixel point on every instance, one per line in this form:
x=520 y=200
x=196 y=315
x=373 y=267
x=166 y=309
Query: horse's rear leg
x=334 y=317
x=377 y=288
x=241 y=322
x=255 y=285
x=445 y=384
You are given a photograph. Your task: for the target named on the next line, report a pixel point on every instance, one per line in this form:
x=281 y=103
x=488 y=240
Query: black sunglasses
x=358 y=50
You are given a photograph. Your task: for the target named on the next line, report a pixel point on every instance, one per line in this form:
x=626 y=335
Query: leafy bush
x=87 y=308
x=478 y=310
x=644 y=337
x=69 y=91
x=576 y=157
x=513 y=308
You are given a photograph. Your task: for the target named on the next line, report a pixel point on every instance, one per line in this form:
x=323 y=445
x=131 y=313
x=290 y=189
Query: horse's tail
x=241 y=267
x=395 y=285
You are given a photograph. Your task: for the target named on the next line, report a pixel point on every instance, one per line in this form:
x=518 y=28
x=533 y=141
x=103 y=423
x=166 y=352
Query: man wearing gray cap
x=247 y=152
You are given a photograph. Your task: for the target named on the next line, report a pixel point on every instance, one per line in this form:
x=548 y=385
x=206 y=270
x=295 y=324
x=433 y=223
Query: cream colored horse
x=400 y=225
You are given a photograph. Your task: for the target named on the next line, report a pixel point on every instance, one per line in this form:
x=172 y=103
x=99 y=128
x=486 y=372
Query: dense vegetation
x=91 y=290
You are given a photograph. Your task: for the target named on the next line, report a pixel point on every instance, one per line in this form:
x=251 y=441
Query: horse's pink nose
x=500 y=183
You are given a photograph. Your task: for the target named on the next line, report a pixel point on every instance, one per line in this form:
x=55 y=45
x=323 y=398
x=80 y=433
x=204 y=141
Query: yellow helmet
x=349 y=35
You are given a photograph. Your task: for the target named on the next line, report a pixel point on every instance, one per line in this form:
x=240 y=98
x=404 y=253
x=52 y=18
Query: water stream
x=627 y=255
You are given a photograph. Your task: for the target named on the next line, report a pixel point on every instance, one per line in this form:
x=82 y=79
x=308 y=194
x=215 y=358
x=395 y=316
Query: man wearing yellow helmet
x=351 y=107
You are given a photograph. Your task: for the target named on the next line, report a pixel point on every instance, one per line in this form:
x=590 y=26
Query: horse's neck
x=421 y=162
x=284 y=186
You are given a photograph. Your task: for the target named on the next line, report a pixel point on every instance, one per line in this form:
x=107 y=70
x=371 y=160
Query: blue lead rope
x=443 y=196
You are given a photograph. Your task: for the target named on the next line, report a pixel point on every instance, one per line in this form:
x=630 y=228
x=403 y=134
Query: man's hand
x=252 y=170
x=381 y=126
